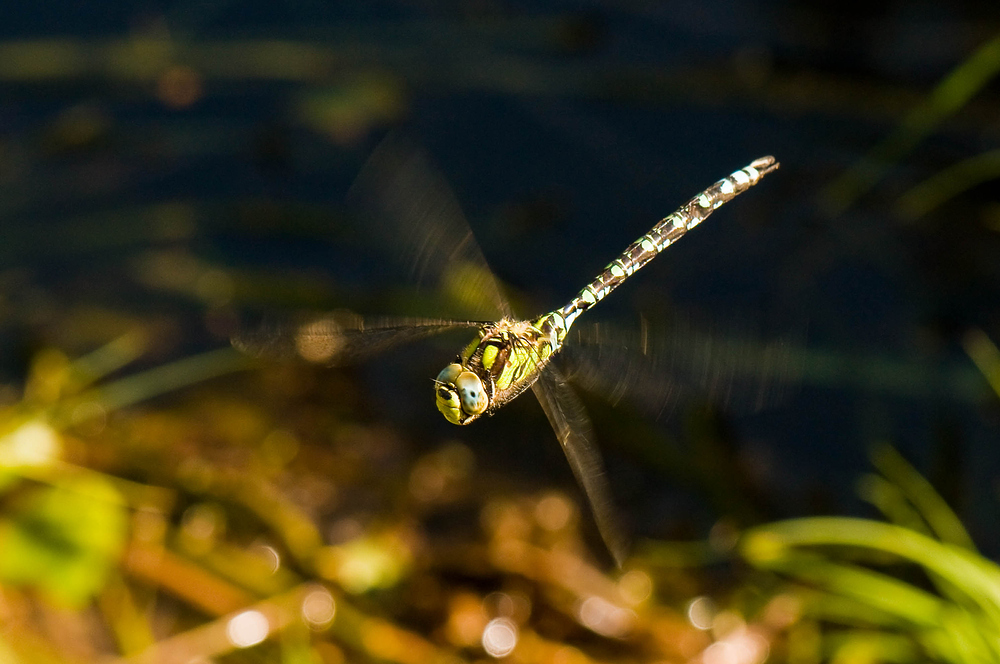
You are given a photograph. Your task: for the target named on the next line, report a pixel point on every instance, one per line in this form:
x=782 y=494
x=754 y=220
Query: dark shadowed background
x=173 y=167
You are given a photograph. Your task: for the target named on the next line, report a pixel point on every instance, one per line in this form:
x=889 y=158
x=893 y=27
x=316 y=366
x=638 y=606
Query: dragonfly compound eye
x=446 y=395
x=449 y=374
x=472 y=393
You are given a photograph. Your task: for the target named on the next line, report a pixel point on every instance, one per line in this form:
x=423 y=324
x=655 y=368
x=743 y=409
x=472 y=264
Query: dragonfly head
x=460 y=394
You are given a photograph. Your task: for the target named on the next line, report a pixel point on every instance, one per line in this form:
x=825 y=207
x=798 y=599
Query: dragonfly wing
x=656 y=369
x=339 y=338
x=418 y=215
x=572 y=427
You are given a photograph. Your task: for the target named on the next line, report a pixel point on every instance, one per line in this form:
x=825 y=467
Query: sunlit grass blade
x=166 y=378
x=976 y=577
x=859 y=646
x=984 y=353
x=909 y=500
x=890 y=500
x=949 y=96
x=108 y=358
x=943 y=522
x=898 y=603
x=876 y=600
x=129 y=623
x=863 y=600
x=820 y=603
x=948 y=183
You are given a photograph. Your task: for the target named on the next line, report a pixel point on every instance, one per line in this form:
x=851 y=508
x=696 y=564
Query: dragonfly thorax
x=502 y=361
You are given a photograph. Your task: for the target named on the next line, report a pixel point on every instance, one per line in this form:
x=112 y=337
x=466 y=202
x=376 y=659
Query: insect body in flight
x=507 y=356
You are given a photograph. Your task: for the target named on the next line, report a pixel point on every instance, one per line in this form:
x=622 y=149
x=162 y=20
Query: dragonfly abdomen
x=662 y=235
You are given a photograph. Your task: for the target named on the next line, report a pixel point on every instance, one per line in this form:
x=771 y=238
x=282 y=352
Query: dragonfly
x=507 y=355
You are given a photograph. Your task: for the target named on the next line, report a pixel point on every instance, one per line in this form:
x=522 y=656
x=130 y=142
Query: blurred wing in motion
x=339 y=338
x=416 y=213
x=572 y=427
x=655 y=369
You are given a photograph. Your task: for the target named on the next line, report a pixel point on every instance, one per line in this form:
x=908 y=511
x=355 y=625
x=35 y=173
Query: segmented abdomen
x=665 y=233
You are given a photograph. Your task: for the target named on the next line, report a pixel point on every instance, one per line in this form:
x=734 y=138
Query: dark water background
x=566 y=130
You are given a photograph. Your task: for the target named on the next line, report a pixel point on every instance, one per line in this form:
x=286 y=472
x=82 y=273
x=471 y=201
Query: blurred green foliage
x=219 y=531
x=207 y=508
x=63 y=540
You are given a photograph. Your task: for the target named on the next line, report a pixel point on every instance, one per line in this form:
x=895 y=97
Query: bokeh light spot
x=201 y=521
x=723 y=536
x=782 y=611
x=601 y=616
x=319 y=608
x=201 y=526
x=32 y=444
x=553 y=512
x=247 y=629
x=721 y=652
x=498 y=604
x=269 y=555
x=741 y=647
x=700 y=612
x=500 y=637
x=635 y=587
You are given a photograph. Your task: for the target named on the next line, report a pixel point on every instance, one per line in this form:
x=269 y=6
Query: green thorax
x=508 y=355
